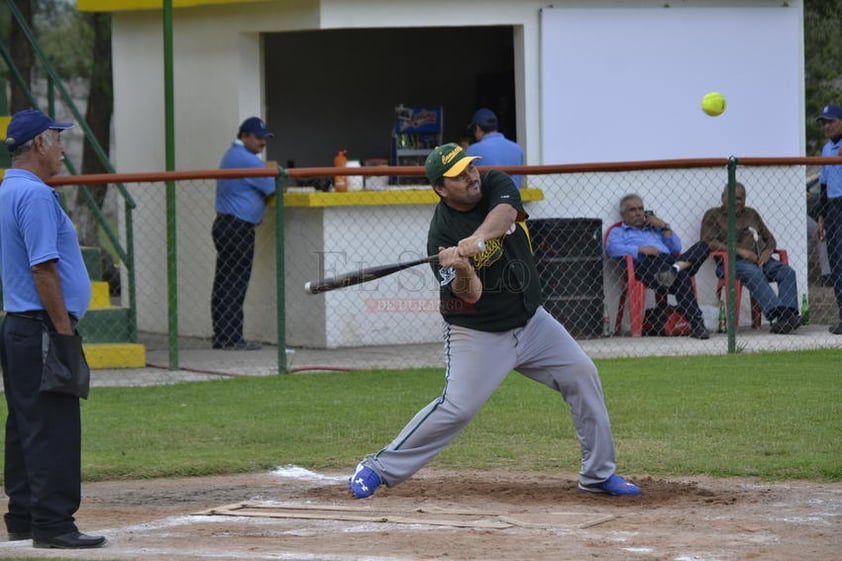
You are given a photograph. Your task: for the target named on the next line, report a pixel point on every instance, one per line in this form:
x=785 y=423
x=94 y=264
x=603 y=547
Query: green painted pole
x=280 y=271
x=732 y=255
x=172 y=246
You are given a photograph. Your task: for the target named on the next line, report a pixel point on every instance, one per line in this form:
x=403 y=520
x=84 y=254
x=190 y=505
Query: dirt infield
x=292 y=514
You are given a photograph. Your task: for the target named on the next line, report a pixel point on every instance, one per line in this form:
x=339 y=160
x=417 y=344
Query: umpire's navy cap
x=27 y=124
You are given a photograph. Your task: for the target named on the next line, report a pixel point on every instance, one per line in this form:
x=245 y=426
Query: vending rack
x=416 y=132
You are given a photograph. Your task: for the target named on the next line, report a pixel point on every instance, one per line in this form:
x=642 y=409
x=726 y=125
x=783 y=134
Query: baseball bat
x=368 y=274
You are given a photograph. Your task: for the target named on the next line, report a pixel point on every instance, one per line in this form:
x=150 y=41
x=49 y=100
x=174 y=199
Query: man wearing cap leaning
x=829 y=223
x=240 y=203
x=45 y=287
x=494 y=148
x=490 y=299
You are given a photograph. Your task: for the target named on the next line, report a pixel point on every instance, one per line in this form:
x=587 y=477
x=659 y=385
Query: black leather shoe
x=699 y=332
x=242 y=346
x=666 y=278
x=18 y=536
x=238 y=346
x=70 y=540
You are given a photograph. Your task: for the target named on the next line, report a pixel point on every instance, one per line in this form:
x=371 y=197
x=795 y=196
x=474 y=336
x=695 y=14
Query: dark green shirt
x=511 y=289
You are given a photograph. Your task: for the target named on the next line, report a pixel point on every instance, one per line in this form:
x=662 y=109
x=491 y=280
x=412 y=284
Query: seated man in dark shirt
x=755 y=266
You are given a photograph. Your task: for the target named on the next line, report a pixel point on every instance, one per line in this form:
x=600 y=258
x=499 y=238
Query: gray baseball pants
x=477 y=362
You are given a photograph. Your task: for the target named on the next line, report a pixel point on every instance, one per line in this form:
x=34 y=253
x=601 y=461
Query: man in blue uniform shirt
x=240 y=203
x=494 y=148
x=829 y=224
x=45 y=288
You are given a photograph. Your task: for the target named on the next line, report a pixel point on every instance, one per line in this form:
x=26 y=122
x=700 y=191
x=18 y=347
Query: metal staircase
x=109 y=331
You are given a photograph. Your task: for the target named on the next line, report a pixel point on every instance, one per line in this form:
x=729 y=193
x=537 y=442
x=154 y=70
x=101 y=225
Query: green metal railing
x=125 y=253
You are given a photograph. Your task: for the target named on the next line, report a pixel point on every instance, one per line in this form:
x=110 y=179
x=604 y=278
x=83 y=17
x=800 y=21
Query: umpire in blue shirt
x=829 y=223
x=240 y=203
x=45 y=287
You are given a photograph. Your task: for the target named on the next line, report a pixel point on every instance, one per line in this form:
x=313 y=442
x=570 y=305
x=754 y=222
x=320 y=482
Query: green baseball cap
x=447 y=160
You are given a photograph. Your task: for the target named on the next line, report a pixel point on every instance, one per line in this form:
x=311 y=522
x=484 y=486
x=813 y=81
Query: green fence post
x=732 y=255
x=280 y=271
x=172 y=237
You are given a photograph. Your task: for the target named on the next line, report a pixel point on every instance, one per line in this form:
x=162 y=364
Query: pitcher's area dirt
x=456 y=517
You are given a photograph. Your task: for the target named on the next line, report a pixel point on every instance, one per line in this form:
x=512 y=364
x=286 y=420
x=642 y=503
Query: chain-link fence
x=326 y=233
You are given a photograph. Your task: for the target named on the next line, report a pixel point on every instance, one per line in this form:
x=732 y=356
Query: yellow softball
x=713 y=104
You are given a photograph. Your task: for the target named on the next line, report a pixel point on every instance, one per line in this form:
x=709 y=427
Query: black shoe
x=787 y=321
x=836 y=329
x=700 y=332
x=238 y=346
x=18 y=536
x=666 y=278
x=70 y=540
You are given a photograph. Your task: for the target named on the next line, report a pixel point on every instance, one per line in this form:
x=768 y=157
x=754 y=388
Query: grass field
x=774 y=416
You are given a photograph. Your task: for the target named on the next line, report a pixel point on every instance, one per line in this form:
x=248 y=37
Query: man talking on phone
x=658 y=259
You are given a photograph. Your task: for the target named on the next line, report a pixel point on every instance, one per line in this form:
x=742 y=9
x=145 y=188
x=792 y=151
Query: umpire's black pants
x=234 y=242
x=43 y=439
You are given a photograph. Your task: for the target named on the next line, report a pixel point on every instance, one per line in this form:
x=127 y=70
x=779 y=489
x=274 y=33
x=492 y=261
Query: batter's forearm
x=467 y=284
x=497 y=223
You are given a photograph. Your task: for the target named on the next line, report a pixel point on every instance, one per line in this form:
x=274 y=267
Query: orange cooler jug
x=340 y=182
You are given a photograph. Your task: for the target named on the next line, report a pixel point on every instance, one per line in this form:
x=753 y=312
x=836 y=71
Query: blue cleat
x=364 y=481
x=614 y=485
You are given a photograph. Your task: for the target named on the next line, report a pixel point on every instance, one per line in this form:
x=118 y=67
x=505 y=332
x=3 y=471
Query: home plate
x=430 y=516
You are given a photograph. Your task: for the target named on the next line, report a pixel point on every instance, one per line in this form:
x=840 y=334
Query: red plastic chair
x=633 y=292
x=722 y=284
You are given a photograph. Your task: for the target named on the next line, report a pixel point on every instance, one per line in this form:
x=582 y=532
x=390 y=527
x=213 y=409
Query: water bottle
x=340 y=182
x=723 y=320
x=805 y=309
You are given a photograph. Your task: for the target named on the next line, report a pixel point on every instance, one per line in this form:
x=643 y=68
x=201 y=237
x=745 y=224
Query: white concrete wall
x=219 y=82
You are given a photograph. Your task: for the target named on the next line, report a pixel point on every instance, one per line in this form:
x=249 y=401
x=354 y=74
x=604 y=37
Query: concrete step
x=100 y=296
x=115 y=355
x=106 y=325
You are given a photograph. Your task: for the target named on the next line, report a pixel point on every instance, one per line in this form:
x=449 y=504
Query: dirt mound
x=464 y=516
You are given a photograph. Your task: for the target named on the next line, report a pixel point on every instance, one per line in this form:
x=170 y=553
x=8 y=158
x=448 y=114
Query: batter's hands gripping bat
x=369 y=274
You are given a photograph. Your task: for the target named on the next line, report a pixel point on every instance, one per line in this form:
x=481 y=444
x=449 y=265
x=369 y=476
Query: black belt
x=235 y=218
x=37 y=315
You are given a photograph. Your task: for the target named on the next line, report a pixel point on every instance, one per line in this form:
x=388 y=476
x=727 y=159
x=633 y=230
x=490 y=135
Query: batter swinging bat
x=369 y=274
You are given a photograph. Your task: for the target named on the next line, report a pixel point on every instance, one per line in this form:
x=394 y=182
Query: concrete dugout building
x=572 y=82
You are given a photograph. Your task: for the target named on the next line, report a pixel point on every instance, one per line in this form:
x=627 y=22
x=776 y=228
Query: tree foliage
x=822 y=63
x=66 y=37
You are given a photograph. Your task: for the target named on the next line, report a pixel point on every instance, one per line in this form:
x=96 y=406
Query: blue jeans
x=756 y=279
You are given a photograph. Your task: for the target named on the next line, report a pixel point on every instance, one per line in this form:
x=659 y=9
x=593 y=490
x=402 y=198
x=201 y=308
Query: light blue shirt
x=831 y=175
x=35 y=229
x=497 y=150
x=627 y=240
x=243 y=197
